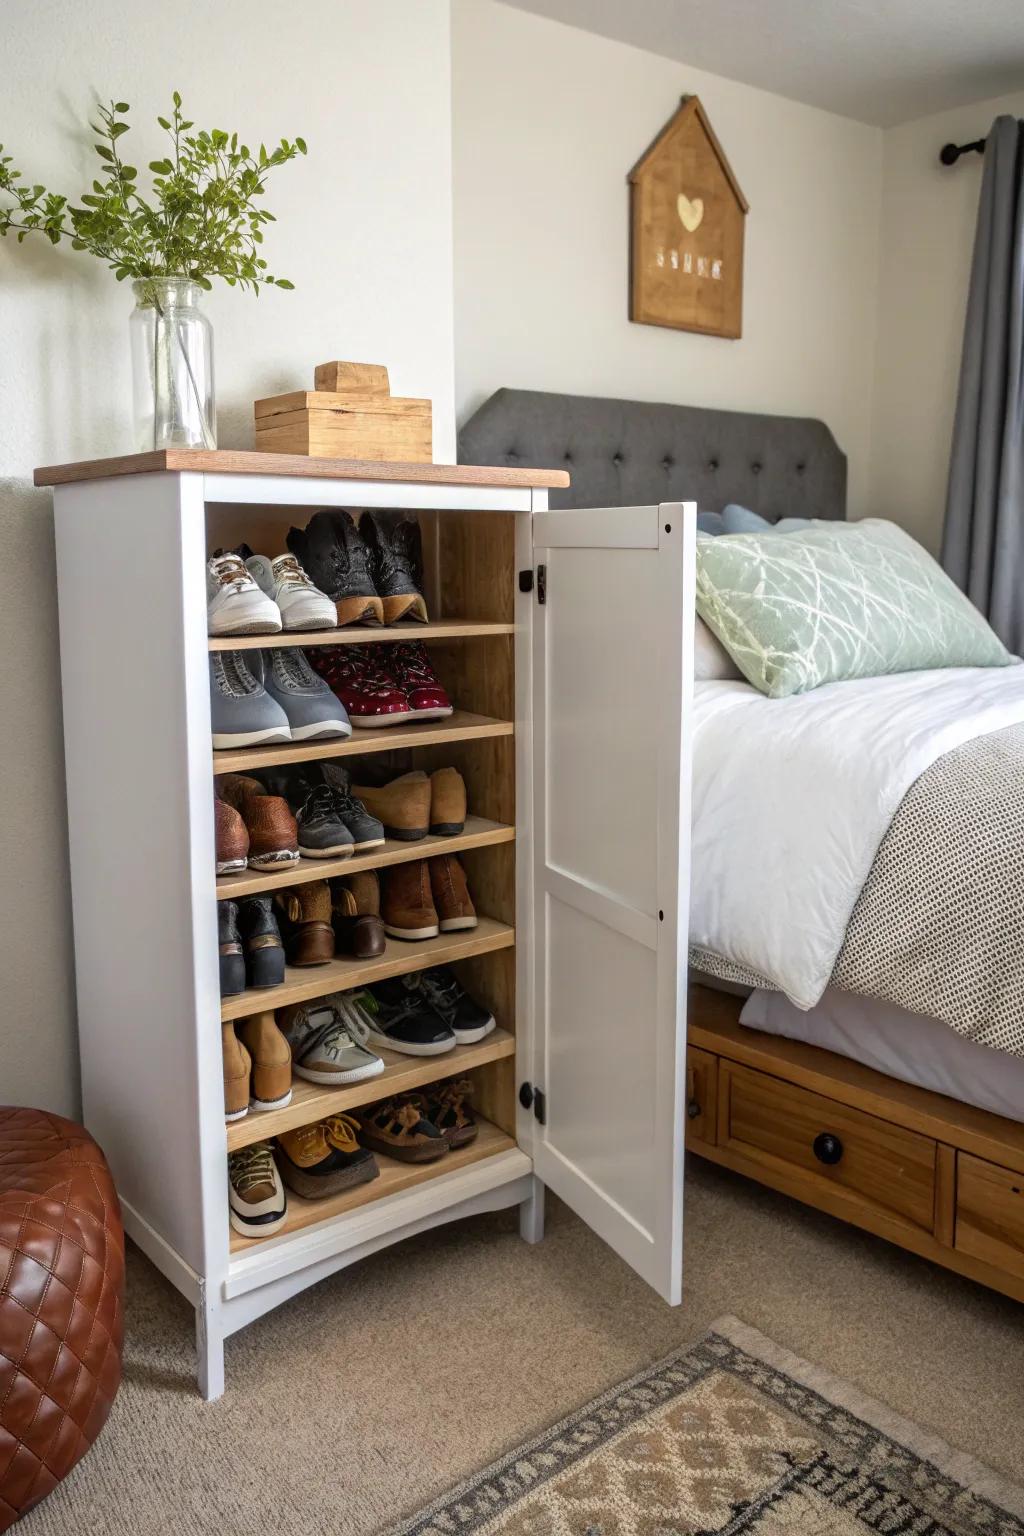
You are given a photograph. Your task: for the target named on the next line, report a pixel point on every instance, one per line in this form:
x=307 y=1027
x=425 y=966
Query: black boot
x=336 y=560
x=396 y=561
x=232 y=960
x=264 y=952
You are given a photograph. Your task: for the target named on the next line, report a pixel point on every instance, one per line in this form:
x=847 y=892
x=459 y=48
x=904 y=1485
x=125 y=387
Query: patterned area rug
x=732 y=1435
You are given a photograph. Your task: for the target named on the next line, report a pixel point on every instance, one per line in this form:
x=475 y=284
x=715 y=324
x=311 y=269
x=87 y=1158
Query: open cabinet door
x=612 y=682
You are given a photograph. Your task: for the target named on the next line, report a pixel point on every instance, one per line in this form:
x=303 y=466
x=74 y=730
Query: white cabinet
x=570 y=730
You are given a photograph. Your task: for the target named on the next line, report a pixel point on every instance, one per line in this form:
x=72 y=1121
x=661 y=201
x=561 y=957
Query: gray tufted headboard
x=624 y=453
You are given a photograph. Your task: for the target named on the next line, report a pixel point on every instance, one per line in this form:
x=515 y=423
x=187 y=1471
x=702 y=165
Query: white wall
x=364 y=232
x=928 y=219
x=548 y=121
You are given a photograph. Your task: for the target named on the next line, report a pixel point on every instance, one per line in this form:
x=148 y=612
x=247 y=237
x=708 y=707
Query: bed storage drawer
x=810 y=1143
x=990 y=1213
x=701 y=1097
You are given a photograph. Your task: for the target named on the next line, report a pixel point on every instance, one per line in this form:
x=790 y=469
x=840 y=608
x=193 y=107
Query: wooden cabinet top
x=231 y=462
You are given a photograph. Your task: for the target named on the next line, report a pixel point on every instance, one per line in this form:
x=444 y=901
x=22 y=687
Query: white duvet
x=792 y=797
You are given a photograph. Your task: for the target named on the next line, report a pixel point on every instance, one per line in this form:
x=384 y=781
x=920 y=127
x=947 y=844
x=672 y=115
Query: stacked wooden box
x=350 y=414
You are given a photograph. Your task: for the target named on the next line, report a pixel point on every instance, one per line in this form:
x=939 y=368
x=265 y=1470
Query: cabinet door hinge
x=535 y=1099
x=542 y=583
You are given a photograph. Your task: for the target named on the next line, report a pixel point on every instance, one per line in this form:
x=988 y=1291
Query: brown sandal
x=398 y=1129
x=444 y=1105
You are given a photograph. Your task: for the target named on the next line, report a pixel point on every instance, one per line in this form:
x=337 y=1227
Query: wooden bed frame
x=932 y=1175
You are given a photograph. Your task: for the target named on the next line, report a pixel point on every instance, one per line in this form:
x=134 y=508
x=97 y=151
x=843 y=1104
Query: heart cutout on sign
x=690 y=213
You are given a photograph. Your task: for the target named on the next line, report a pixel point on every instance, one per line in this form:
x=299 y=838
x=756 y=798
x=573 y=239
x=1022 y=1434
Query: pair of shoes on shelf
x=382 y=685
x=426 y=897
x=425 y=1014
x=331 y=823
x=261 y=697
x=249 y=594
x=417 y=803
x=315 y=1161
x=257 y=1066
x=251 y=952
x=329 y=1043
x=421 y=1127
x=245 y=808
x=373 y=571
x=319 y=919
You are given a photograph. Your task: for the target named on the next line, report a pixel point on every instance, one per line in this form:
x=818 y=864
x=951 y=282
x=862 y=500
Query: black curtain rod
x=949 y=154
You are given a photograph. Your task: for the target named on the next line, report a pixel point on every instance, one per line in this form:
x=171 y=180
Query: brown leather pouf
x=61 y=1302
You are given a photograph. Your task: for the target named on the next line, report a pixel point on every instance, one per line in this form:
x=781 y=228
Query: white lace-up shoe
x=302 y=605
x=235 y=605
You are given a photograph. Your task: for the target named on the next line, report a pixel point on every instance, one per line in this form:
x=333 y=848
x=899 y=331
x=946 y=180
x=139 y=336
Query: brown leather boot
x=271 y=1062
x=237 y=1063
x=304 y=917
x=231 y=837
x=273 y=835
x=403 y=805
x=358 y=929
x=406 y=904
x=447 y=803
x=454 y=904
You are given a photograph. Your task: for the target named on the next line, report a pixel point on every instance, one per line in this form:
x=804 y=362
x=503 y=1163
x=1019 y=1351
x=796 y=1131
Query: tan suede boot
x=358 y=929
x=304 y=917
x=403 y=805
x=447 y=803
x=237 y=1063
x=454 y=904
x=271 y=1062
x=406 y=904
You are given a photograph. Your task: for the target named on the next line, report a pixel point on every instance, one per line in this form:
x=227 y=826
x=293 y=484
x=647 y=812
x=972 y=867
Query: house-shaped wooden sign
x=686 y=230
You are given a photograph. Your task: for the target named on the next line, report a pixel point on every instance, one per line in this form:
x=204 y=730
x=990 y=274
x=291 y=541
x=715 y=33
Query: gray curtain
x=983 y=541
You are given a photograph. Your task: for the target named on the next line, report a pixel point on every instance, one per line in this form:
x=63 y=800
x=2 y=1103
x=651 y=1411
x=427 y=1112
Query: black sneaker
x=366 y=830
x=232 y=956
x=398 y=1018
x=337 y=561
x=396 y=561
x=468 y=1020
x=264 y=952
x=323 y=833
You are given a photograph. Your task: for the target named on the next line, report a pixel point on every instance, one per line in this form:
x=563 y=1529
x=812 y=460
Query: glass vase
x=172 y=366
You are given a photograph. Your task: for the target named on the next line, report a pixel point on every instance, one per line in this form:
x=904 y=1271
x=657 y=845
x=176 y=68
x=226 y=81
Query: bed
x=837 y=1060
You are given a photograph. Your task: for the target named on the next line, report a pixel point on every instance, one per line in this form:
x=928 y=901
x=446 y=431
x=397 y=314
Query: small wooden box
x=331 y=426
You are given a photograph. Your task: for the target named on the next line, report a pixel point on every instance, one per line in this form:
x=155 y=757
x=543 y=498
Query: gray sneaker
x=324 y=1047
x=242 y=712
x=322 y=832
x=311 y=706
x=366 y=830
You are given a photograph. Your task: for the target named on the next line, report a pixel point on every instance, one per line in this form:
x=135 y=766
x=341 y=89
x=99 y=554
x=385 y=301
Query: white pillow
x=711 y=660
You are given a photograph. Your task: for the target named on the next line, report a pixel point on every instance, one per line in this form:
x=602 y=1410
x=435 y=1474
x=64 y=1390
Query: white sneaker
x=302 y=605
x=235 y=605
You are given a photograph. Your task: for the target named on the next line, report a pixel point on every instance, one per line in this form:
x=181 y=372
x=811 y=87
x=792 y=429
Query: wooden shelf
x=479 y=833
x=312 y=1101
x=394 y=1177
x=401 y=956
x=353 y=634
x=460 y=726
x=228 y=461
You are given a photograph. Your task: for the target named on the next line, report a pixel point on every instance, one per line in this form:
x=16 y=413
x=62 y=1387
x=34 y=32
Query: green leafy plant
x=201 y=220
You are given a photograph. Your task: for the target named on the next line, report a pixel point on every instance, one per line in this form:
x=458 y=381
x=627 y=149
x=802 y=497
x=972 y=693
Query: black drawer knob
x=828 y=1149
x=693 y=1109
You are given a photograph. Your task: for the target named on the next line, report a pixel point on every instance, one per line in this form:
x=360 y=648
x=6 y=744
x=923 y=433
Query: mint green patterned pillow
x=837 y=601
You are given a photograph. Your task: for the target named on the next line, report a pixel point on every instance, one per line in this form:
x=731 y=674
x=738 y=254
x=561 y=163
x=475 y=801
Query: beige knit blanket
x=939 y=924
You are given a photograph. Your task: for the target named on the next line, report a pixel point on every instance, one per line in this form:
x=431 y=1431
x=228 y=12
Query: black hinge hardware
x=534 y=1098
x=542 y=594
x=526 y=581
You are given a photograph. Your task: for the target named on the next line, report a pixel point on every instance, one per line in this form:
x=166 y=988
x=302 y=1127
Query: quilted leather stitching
x=61 y=1302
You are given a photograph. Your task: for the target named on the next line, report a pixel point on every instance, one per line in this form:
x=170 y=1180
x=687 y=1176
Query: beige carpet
x=360 y=1401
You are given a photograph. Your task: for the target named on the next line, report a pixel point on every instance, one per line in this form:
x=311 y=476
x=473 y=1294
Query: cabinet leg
x=209 y=1353
x=531 y=1214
